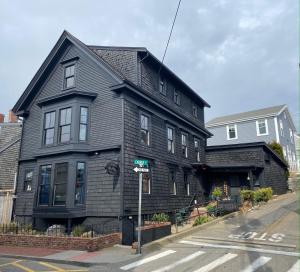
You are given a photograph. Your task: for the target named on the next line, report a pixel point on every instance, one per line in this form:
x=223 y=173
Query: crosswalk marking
x=225 y=258
x=256 y=264
x=181 y=261
x=147 y=260
x=295 y=267
x=245 y=248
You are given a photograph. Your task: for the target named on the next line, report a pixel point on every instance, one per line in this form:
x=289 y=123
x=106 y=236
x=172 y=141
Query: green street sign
x=141 y=163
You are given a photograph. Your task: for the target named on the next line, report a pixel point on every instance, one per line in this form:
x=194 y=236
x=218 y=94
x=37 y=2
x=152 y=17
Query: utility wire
x=169 y=36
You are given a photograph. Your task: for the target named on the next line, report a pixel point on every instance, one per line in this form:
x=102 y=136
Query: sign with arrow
x=141 y=163
x=138 y=169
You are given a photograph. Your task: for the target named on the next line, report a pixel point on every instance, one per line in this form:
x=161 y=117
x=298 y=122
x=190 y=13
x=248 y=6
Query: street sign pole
x=138 y=250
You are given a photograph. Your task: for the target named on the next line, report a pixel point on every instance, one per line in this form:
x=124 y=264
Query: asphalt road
x=265 y=239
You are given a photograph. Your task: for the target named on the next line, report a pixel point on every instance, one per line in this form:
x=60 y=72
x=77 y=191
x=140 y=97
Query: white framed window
x=171 y=140
x=162 y=85
x=184 y=146
x=145 y=134
x=186 y=183
x=172 y=182
x=195 y=111
x=281 y=128
x=284 y=151
x=232 y=132
x=291 y=136
x=262 y=127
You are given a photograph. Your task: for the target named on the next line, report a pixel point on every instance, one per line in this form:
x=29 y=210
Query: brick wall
x=66 y=243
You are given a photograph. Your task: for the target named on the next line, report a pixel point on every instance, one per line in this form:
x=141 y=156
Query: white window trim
x=281 y=128
x=291 y=135
x=174 y=186
x=236 y=133
x=257 y=128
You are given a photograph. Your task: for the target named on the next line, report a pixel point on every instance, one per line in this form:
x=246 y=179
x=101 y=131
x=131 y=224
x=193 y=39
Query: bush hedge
x=247 y=195
x=160 y=217
x=263 y=194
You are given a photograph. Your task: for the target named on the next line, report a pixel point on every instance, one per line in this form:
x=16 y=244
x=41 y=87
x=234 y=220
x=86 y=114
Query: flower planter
x=152 y=231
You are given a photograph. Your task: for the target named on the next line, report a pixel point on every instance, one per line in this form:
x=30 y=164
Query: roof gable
x=63 y=42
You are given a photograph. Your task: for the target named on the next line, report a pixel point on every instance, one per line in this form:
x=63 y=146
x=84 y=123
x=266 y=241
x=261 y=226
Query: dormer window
x=162 y=86
x=195 y=111
x=69 y=76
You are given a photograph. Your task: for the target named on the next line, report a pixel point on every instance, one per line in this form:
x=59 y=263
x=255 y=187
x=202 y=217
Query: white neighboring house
x=263 y=125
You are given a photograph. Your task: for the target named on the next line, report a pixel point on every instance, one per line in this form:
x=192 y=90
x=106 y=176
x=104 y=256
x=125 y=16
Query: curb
x=34 y=258
x=158 y=244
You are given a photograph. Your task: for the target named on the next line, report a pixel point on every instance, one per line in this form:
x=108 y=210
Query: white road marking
x=252 y=249
x=181 y=261
x=147 y=260
x=295 y=267
x=225 y=258
x=256 y=264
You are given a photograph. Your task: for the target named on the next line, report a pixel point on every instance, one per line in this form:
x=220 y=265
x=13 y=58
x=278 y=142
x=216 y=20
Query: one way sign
x=137 y=169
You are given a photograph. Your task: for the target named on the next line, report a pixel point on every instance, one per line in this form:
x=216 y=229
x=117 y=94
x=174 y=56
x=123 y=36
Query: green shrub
x=200 y=220
x=160 y=217
x=216 y=193
x=78 y=230
x=210 y=208
x=263 y=194
x=247 y=195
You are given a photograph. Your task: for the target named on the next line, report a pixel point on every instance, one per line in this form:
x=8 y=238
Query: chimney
x=11 y=117
x=2 y=118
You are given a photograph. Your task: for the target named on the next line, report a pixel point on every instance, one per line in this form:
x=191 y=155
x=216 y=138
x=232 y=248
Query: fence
x=187 y=214
x=86 y=231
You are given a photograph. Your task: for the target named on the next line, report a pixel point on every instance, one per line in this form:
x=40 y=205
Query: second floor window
x=171 y=138
x=145 y=135
x=69 y=76
x=281 y=128
x=231 y=132
x=262 y=127
x=176 y=97
x=49 y=128
x=83 y=123
x=184 y=145
x=197 y=150
x=80 y=183
x=28 y=180
x=65 y=125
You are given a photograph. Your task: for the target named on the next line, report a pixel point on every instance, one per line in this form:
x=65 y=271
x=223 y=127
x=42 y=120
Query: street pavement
x=265 y=239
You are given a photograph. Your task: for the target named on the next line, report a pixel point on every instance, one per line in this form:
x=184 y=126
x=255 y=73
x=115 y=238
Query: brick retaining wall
x=65 y=243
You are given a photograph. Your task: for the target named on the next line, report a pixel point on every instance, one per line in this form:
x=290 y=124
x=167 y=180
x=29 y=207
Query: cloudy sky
x=238 y=55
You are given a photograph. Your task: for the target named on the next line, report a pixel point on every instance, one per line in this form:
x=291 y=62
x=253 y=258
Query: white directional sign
x=137 y=169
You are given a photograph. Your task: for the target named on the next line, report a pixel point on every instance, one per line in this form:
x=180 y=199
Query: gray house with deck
x=88 y=113
x=263 y=125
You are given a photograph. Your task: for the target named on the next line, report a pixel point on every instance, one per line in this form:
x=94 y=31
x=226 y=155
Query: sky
x=238 y=55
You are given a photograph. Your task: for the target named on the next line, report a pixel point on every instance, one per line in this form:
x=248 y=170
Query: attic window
x=162 y=86
x=69 y=78
x=176 y=97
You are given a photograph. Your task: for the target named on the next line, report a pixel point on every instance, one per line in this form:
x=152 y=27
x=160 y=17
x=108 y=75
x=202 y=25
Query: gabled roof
x=38 y=79
x=155 y=60
x=66 y=38
x=245 y=116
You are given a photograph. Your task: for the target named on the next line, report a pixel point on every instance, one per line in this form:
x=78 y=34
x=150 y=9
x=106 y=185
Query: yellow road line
x=2 y=265
x=24 y=268
x=56 y=268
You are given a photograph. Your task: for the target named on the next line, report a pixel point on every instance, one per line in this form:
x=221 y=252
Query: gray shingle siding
x=10 y=135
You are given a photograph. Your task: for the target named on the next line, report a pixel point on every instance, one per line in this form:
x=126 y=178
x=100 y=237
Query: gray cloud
x=238 y=55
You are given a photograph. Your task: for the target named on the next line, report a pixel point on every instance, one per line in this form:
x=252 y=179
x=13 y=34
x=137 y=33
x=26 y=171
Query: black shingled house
x=88 y=113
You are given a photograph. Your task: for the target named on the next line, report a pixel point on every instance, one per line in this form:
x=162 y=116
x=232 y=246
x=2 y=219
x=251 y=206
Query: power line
x=170 y=35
